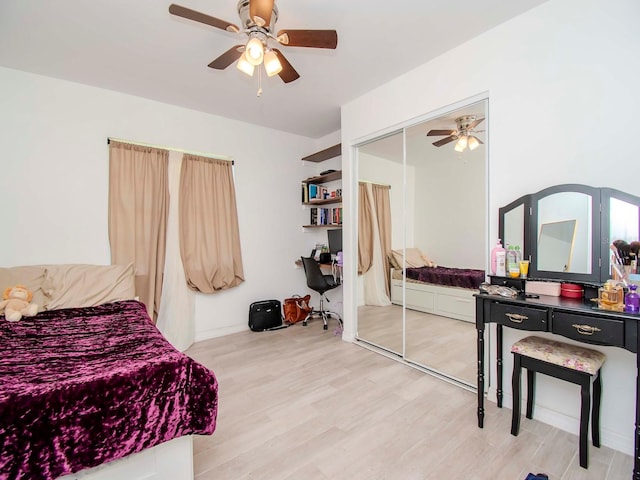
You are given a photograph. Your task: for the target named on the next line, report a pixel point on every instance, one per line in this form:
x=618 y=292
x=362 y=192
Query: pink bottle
x=494 y=251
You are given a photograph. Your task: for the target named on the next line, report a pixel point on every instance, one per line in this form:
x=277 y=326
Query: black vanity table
x=571 y=318
x=566 y=232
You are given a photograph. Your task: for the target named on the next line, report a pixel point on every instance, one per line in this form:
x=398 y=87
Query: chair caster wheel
x=325 y=327
x=304 y=324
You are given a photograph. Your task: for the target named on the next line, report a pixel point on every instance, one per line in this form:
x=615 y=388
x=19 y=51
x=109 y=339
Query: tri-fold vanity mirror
x=566 y=231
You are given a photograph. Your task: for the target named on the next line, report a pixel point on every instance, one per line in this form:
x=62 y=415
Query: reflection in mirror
x=380 y=168
x=447 y=224
x=567 y=207
x=555 y=246
x=624 y=220
x=514 y=227
x=624 y=225
x=438 y=212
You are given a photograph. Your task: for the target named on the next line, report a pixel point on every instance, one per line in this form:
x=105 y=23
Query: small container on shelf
x=571 y=290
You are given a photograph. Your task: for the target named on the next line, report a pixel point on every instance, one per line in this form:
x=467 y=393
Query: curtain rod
x=201 y=154
x=375 y=183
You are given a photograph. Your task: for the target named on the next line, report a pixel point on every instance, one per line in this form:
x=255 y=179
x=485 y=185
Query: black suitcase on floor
x=265 y=315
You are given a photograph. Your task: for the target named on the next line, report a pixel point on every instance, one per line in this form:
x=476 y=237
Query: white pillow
x=69 y=285
x=414 y=258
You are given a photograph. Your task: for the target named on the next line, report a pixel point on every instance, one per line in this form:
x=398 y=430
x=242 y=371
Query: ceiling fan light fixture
x=473 y=143
x=244 y=66
x=461 y=144
x=254 y=51
x=271 y=63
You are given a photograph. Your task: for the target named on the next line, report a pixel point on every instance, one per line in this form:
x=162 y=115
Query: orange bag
x=296 y=308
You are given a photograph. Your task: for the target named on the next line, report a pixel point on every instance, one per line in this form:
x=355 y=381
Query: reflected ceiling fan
x=465 y=128
x=258 y=19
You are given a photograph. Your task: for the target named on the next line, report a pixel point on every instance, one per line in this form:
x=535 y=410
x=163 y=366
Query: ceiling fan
x=258 y=19
x=465 y=128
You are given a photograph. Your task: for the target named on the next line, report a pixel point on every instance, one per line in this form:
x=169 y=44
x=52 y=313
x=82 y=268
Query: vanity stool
x=572 y=363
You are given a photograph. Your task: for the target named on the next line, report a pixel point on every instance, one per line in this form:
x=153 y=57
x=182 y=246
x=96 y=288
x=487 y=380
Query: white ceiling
x=137 y=47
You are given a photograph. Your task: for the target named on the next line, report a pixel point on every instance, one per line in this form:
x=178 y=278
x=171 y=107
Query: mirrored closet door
x=438 y=198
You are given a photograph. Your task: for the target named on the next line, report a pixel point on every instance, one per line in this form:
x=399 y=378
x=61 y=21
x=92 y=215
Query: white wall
x=54 y=184
x=562 y=81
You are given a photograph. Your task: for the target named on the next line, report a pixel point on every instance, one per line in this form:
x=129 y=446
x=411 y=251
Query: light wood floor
x=299 y=403
x=444 y=344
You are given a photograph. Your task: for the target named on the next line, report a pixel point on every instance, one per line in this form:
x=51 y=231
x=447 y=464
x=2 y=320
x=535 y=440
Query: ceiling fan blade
x=227 y=58
x=288 y=73
x=260 y=12
x=308 y=38
x=479 y=141
x=189 y=14
x=440 y=132
x=474 y=124
x=444 y=141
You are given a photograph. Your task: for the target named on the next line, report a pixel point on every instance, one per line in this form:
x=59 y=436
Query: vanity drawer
x=589 y=329
x=522 y=318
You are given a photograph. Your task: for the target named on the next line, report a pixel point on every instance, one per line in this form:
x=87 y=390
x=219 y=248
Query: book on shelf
x=325 y=216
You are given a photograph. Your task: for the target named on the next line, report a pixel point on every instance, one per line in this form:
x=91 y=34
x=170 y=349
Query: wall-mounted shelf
x=325 y=154
x=328 y=225
x=324 y=202
x=329 y=177
x=315 y=193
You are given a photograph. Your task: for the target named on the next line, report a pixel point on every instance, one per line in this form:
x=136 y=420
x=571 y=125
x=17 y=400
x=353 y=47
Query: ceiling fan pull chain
x=259 y=83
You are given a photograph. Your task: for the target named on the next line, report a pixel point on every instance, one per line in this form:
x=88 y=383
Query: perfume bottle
x=611 y=296
x=632 y=300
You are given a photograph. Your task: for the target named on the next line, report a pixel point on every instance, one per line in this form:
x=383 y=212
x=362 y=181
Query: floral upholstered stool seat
x=572 y=363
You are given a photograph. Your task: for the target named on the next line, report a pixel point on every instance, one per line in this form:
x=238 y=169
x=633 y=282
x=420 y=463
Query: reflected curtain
x=382 y=204
x=365 y=230
x=138 y=210
x=176 y=319
x=375 y=234
x=209 y=231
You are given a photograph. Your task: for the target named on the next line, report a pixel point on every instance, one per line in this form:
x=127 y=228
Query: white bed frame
x=172 y=460
x=452 y=302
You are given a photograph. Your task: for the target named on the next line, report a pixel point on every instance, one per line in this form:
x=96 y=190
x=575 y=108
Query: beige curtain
x=365 y=230
x=138 y=209
x=209 y=232
x=382 y=204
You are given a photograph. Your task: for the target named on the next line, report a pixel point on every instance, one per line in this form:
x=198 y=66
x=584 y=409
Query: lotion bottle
x=501 y=261
x=494 y=259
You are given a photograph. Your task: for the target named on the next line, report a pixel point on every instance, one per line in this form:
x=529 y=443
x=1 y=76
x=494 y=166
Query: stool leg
x=531 y=391
x=515 y=390
x=585 y=408
x=595 y=411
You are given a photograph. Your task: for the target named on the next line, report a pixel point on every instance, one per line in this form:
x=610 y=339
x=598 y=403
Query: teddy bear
x=17 y=303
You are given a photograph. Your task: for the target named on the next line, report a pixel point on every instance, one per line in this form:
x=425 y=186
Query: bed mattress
x=84 y=386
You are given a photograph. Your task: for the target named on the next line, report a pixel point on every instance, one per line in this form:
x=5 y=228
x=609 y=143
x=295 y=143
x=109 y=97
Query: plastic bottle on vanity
x=501 y=263
x=513 y=261
x=494 y=259
x=632 y=300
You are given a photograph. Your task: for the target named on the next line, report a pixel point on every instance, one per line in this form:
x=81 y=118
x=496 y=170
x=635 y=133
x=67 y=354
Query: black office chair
x=321 y=283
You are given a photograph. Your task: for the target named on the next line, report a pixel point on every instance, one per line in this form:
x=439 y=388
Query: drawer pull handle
x=516 y=317
x=585 y=329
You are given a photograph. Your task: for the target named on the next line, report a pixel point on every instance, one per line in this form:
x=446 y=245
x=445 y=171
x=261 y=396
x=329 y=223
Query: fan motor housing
x=247 y=21
x=464 y=122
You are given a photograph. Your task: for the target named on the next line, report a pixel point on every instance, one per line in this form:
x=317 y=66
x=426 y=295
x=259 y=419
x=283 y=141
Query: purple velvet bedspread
x=450 y=277
x=84 y=386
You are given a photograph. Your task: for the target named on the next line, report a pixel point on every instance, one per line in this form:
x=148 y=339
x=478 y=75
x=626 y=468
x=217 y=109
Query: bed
x=434 y=289
x=84 y=386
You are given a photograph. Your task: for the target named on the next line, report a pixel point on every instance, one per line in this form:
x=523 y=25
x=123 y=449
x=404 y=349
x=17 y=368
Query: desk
x=570 y=318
